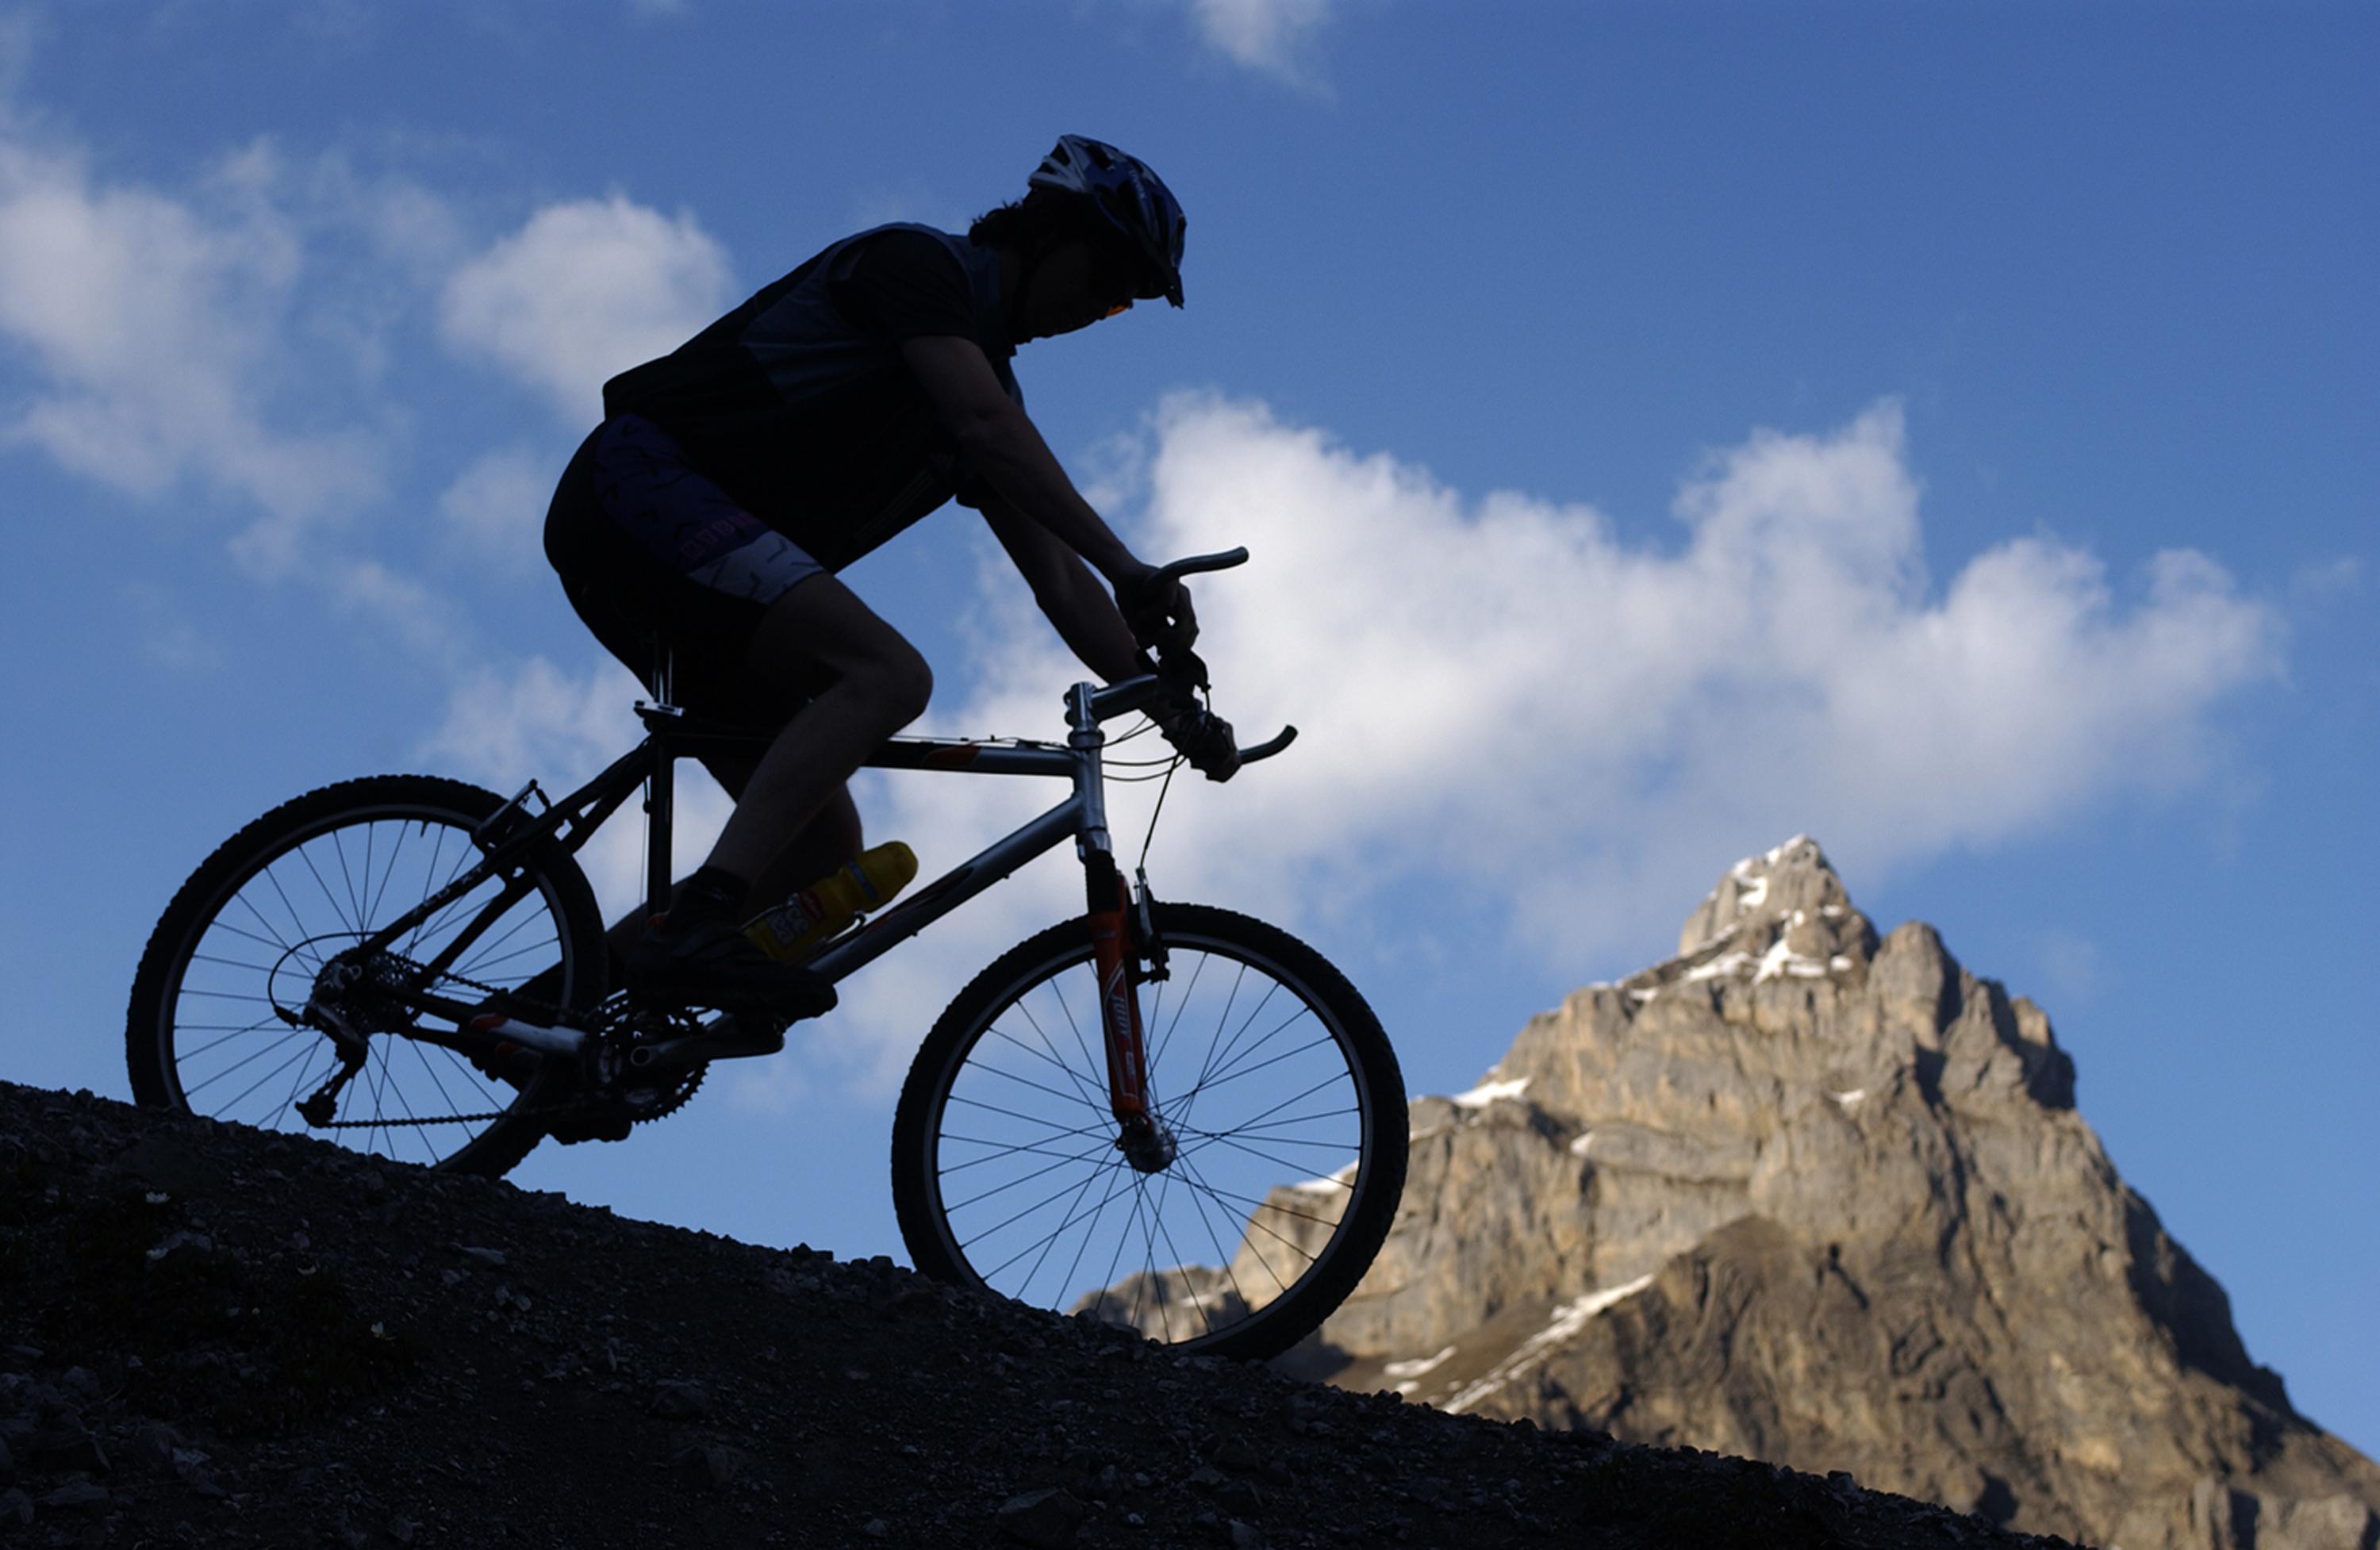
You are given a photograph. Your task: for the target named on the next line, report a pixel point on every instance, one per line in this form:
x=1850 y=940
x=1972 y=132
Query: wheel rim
x=1269 y=1115
x=263 y=940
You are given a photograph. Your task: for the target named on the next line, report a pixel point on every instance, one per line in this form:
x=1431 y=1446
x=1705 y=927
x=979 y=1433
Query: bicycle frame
x=672 y=734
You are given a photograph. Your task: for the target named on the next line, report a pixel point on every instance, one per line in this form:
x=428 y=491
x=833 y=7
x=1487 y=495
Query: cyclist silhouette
x=733 y=478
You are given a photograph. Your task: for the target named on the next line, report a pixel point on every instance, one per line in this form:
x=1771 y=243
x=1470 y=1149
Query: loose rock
x=1047 y=1519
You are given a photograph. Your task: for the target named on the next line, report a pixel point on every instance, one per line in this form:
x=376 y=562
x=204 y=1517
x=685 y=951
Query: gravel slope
x=212 y=1337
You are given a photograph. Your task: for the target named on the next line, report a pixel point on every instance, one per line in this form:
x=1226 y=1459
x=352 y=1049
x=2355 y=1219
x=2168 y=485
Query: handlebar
x=1183 y=669
x=1267 y=749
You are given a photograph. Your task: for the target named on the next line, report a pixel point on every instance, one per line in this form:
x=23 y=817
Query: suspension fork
x=1108 y=916
x=1109 y=919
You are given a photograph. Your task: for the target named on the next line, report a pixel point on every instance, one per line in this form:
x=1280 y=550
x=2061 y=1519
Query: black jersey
x=799 y=404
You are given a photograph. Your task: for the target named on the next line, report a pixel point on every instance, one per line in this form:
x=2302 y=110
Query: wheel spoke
x=1024 y=1179
x=1292 y=1083
x=260 y=1081
x=1121 y=1178
x=293 y=1032
x=260 y=1023
x=317 y=887
x=1255 y=1205
x=1256 y=1224
x=1163 y=1043
x=1088 y=1064
x=1330 y=1080
x=1011 y=1151
x=1028 y=1119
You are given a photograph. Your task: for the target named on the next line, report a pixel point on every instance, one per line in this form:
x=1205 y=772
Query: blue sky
x=1949 y=430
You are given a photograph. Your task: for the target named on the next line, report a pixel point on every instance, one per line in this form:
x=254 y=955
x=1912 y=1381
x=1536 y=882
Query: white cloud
x=582 y=291
x=1507 y=708
x=429 y=627
x=496 y=506
x=155 y=324
x=1266 y=35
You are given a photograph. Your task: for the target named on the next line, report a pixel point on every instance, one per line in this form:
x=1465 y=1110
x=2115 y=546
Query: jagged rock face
x=1823 y=1199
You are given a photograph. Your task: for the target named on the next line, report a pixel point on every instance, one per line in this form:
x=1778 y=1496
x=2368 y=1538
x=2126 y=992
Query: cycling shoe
x=711 y=963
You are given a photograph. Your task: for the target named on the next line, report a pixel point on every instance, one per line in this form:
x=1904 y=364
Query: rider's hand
x=1204 y=739
x=1159 y=611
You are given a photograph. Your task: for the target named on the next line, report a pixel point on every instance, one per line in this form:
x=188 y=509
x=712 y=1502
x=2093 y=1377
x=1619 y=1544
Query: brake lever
x=1183 y=669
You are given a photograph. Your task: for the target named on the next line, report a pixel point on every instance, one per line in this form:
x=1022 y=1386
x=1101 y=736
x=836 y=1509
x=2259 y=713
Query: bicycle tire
x=1223 y=1317
x=214 y=921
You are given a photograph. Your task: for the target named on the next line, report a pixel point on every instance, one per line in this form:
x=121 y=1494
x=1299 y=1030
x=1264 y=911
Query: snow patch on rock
x=1568 y=1319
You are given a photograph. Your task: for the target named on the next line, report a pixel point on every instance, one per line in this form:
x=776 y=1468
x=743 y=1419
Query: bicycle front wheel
x=1283 y=1118
x=215 y=1024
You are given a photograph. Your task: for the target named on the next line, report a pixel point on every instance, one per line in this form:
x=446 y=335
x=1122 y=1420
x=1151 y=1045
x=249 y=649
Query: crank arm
x=721 y=1039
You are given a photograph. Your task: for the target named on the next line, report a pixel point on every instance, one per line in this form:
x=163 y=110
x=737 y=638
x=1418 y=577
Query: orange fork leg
x=1119 y=1010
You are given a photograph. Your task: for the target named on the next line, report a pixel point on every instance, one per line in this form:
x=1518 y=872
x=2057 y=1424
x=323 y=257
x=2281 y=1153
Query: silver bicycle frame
x=1083 y=815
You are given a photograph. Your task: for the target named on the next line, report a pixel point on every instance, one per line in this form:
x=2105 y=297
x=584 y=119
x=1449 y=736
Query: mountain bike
x=415 y=967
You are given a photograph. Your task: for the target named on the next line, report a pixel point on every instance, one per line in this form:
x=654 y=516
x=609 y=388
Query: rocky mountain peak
x=1793 y=885
x=1823 y=1197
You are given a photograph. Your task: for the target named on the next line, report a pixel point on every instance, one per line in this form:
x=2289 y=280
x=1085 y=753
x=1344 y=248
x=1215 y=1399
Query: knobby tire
x=1265 y=1060
x=236 y=937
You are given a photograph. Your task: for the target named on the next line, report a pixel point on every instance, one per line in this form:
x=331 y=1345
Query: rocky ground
x=213 y=1336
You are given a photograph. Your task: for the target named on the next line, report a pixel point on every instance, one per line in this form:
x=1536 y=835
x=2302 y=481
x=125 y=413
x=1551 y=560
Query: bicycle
x=381 y=930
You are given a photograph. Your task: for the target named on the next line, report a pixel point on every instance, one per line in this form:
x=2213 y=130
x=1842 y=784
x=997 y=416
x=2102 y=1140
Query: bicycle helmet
x=1133 y=199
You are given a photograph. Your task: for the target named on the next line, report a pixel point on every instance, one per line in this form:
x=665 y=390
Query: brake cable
x=1140 y=869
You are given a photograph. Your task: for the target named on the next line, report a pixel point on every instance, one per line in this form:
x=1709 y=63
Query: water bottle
x=790 y=932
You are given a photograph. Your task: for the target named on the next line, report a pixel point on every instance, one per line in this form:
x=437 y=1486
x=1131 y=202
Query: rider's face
x=1070 y=288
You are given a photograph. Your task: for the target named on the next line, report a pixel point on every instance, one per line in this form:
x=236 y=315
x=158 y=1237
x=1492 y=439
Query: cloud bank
x=1505 y=697
x=155 y=325
x=1511 y=712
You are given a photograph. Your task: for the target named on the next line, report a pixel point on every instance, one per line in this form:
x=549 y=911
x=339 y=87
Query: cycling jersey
x=798 y=404
x=787 y=439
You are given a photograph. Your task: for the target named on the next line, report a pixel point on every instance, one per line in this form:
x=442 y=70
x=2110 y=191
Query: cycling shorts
x=649 y=550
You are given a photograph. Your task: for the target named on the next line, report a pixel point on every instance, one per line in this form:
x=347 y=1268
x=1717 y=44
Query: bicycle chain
x=543 y=1110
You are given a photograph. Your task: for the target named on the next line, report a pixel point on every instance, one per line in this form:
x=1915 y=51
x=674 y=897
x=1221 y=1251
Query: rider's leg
x=826 y=842
x=865 y=684
x=830 y=840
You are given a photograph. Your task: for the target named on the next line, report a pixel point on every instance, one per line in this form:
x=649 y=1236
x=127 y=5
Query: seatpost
x=660 y=787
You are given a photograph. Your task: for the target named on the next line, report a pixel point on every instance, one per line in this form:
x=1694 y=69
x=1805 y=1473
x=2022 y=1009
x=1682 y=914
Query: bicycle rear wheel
x=248 y=939
x=1282 y=1099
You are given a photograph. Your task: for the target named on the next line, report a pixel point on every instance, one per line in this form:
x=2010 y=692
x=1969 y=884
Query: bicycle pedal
x=731 y=1037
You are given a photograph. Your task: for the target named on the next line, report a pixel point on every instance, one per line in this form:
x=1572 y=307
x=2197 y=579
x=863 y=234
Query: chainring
x=619 y=1026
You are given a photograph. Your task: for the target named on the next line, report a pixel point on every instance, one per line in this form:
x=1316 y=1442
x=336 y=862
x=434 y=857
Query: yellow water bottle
x=794 y=929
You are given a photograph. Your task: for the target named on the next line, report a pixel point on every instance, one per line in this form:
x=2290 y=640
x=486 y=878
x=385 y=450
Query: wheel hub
x=358 y=991
x=1148 y=1145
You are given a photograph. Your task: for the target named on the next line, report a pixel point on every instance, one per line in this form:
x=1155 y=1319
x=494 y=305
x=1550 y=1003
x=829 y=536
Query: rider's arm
x=1002 y=443
x=1085 y=617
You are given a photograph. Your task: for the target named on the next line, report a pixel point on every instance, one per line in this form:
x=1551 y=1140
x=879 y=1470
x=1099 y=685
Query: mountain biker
x=733 y=478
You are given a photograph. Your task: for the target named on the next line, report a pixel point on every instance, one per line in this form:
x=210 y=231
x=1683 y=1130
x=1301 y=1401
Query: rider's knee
x=903 y=684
